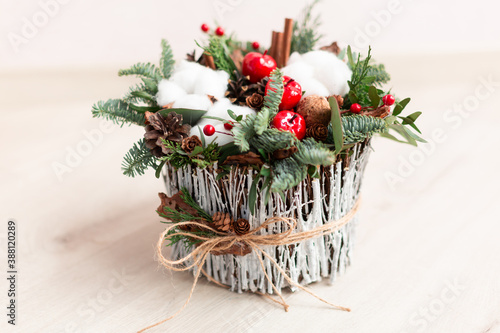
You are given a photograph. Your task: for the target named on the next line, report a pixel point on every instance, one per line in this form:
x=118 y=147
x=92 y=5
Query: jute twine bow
x=252 y=239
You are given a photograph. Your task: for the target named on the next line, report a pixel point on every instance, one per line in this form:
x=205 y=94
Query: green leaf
x=202 y=137
x=401 y=130
x=226 y=150
x=143 y=109
x=313 y=172
x=374 y=97
x=197 y=150
x=143 y=95
x=159 y=168
x=252 y=195
x=413 y=135
x=215 y=118
x=411 y=118
x=350 y=57
x=189 y=116
x=338 y=136
x=392 y=137
x=233 y=115
x=400 y=106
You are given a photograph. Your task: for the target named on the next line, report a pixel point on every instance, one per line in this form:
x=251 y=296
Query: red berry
x=291 y=122
x=388 y=100
x=205 y=27
x=258 y=66
x=355 y=108
x=209 y=130
x=255 y=45
x=219 y=31
x=292 y=93
x=229 y=125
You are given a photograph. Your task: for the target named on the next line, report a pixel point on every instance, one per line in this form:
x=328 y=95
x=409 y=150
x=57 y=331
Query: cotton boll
x=219 y=109
x=191 y=101
x=210 y=82
x=169 y=92
x=294 y=57
x=242 y=110
x=299 y=71
x=312 y=86
x=186 y=75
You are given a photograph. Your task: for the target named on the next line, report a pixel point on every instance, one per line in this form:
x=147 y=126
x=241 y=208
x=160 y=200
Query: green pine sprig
x=138 y=159
x=117 y=111
x=305 y=35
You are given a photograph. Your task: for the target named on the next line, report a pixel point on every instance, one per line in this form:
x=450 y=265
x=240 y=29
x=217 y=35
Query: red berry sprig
x=355 y=108
x=219 y=31
x=255 y=45
x=205 y=27
x=388 y=100
x=209 y=130
x=229 y=125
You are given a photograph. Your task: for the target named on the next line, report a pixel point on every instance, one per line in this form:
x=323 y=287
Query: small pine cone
x=222 y=221
x=340 y=100
x=241 y=226
x=281 y=154
x=319 y=132
x=255 y=101
x=188 y=144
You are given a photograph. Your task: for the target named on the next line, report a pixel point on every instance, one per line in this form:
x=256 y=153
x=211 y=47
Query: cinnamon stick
x=287 y=41
x=272 y=49
x=209 y=60
x=279 y=49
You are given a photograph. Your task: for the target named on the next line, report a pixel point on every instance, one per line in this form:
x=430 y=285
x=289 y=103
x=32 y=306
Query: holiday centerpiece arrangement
x=262 y=152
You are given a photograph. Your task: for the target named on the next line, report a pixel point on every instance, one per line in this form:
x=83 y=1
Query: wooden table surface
x=427 y=257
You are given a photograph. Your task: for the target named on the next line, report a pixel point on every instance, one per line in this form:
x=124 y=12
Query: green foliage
x=287 y=173
x=146 y=70
x=360 y=80
x=305 y=36
x=167 y=59
x=272 y=139
x=272 y=101
x=117 y=111
x=243 y=132
x=218 y=49
x=358 y=128
x=311 y=152
x=200 y=157
x=336 y=125
x=379 y=73
x=138 y=160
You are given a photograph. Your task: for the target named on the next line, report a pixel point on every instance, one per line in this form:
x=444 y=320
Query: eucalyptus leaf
x=143 y=109
x=401 y=130
x=400 y=106
x=252 y=195
x=189 y=116
x=159 y=168
x=336 y=121
x=374 y=97
x=143 y=95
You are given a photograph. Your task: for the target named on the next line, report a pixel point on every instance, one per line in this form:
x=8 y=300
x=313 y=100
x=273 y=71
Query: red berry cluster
x=219 y=31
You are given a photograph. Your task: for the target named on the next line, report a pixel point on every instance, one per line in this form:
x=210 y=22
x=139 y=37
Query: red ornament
x=219 y=31
x=205 y=27
x=209 y=130
x=388 y=100
x=292 y=93
x=229 y=125
x=258 y=66
x=255 y=45
x=355 y=108
x=291 y=122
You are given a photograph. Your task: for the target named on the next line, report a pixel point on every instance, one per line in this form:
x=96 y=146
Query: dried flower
x=188 y=144
x=255 y=101
x=319 y=132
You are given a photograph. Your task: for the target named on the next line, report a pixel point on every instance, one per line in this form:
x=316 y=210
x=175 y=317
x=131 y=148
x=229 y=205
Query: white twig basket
x=312 y=203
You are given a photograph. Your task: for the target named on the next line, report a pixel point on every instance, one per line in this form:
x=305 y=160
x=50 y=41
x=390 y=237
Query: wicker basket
x=312 y=202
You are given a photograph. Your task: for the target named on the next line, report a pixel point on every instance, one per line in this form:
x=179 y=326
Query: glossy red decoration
x=258 y=66
x=388 y=100
x=292 y=93
x=355 y=108
x=219 y=31
x=205 y=27
x=208 y=130
x=290 y=121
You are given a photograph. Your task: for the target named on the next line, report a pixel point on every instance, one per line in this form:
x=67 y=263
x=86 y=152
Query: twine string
x=224 y=241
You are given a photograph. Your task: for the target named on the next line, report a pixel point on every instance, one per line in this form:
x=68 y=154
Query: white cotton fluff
x=294 y=57
x=169 y=92
x=311 y=86
x=191 y=101
x=299 y=71
x=219 y=109
x=210 y=82
x=332 y=72
x=186 y=75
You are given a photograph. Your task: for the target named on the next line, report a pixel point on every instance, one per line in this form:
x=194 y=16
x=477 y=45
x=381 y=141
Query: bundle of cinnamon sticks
x=281 y=44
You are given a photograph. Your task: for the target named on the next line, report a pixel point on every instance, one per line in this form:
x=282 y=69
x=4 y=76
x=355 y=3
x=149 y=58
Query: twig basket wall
x=313 y=202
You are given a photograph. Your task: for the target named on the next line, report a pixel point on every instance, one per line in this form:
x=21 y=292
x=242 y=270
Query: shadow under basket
x=315 y=201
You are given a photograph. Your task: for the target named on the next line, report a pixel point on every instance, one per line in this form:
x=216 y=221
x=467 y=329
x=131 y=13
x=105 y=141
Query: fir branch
x=222 y=59
x=140 y=93
x=167 y=59
x=146 y=70
x=137 y=160
x=287 y=173
x=243 y=132
x=379 y=74
x=272 y=139
x=188 y=199
x=305 y=36
x=272 y=101
x=358 y=128
x=312 y=152
x=117 y=111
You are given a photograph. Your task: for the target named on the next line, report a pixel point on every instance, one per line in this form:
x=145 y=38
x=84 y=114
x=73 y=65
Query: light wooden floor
x=428 y=252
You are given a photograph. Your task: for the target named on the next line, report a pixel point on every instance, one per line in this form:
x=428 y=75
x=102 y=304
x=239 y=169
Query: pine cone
x=238 y=90
x=241 y=226
x=318 y=132
x=169 y=128
x=281 y=154
x=188 y=144
x=333 y=47
x=340 y=100
x=222 y=221
x=255 y=101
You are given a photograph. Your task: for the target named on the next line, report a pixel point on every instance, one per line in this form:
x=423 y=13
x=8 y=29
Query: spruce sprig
x=272 y=101
x=138 y=159
x=140 y=69
x=117 y=111
x=167 y=59
x=305 y=35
